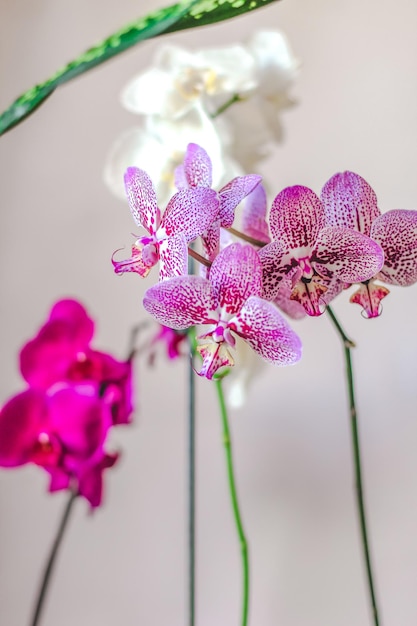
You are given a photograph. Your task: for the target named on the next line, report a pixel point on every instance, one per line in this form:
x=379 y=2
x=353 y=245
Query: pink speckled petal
x=215 y=355
x=396 y=233
x=211 y=240
x=350 y=202
x=191 y=212
x=232 y=194
x=173 y=257
x=197 y=166
x=310 y=294
x=254 y=221
x=263 y=327
x=182 y=302
x=369 y=296
x=296 y=218
x=275 y=265
x=134 y=264
x=347 y=255
x=235 y=275
x=142 y=199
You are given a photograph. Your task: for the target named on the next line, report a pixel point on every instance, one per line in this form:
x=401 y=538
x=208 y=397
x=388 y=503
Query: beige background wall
x=357 y=96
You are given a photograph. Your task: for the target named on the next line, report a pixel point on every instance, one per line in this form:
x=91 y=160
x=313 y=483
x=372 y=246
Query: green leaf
x=185 y=14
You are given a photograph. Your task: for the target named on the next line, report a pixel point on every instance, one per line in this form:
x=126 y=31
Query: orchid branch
x=348 y=344
x=191 y=478
x=248 y=238
x=52 y=559
x=235 y=98
x=193 y=254
x=235 y=504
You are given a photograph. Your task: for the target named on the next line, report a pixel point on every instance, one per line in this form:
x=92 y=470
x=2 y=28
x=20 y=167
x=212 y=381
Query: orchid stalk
x=50 y=564
x=348 y=344
x=235 y=504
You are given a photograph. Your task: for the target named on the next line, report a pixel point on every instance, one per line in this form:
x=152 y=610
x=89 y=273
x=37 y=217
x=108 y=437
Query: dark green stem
x=348 y=344
x=236 y=512
x=191 y=479
x=52 y=559
x=235 y=98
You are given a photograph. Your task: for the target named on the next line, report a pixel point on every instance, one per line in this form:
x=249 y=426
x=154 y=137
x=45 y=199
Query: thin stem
x=248 y=238
x=191 y=480
x=192 y=253
x=232 y=487
x=348 y=344
x=235 y=98
x=52 y=559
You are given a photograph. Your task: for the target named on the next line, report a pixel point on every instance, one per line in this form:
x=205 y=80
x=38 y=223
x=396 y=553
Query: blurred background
x=357 y=102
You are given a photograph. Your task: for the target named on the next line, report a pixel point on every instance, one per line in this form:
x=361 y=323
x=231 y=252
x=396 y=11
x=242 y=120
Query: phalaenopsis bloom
x=75 y=395
x=196 y=173
x=230 y=303
x=188 y=214
x=351 y=202
x=315 y=257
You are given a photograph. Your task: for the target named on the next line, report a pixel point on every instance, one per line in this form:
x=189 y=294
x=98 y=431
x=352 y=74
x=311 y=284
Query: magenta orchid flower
x=196 y=173
x=188 y=214
x=230 y=303
x=350 y=201
x=61 y=352
x=317 y=258
x=75 y=395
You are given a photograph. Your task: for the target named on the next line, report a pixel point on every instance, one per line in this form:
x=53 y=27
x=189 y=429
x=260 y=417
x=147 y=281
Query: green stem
x=52 y=559
x=191 y=479
x=348 y=344
x=235 y=504
x=235 y=98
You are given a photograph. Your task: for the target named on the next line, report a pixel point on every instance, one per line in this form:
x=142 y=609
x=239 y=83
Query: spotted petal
x=369 y=296
x=347 y=255
x=134 y=264
x=350 y=202
x=197 y=166
x=181 y=302
x=190 y=212
x=276 y=264
x=296 y=218
x=215 y=355
x=266 y=331
x=235 y=275
x=254 y=215
x=142 y=199
x=396 y=232
x=233 y=193
x=173 y=257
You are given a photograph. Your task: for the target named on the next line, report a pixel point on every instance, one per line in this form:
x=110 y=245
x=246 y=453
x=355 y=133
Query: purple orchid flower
x=188 y=214
x=61 y=352
x=350 y=201
x=63 y=431
x=75 y=395
x=229 y=301
x=196 y=173
x=317 y=258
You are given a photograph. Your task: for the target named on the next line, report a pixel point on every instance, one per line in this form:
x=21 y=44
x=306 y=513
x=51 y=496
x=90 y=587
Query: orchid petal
x=283 y=301
x=22 y=419
x=263 y=327
x=153 y=93
x=232 y=194
x=90 y=480
x=197 y=166
x=190 y=212
x=181 y=302
x=236 y=274
x=369 y=296
x=142 y=199
x=211 y=240
x=254 y=215
x=231 y=69
x=276 y=66
x=76 y=316
x=350 y=202
x=296 y=218
x=346 y=254
x=134 y=264
x=173 y=257
x=180 y=179
x=396 y=233
x=276 y=263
